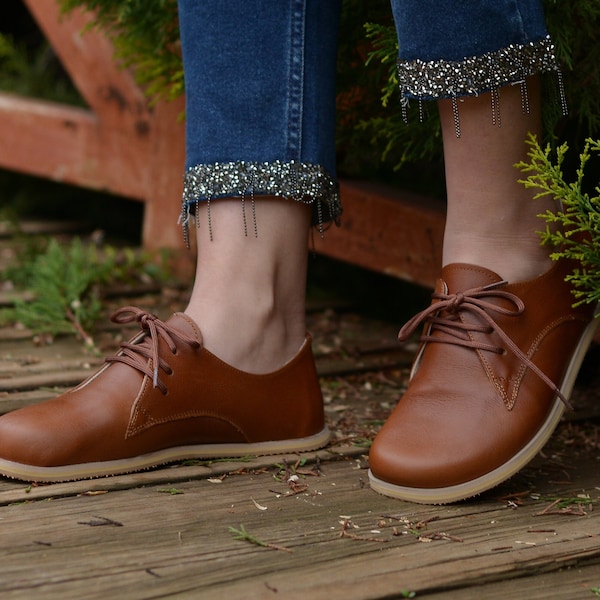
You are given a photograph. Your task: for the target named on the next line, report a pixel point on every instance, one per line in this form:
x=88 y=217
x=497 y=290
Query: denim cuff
x=302 y=182
x=436 y=79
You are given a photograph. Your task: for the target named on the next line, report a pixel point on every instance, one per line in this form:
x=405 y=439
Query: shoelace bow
x=443 y=316
x=136 y=355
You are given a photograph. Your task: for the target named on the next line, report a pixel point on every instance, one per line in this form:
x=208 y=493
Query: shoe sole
x=161 y=457
x=475 y=487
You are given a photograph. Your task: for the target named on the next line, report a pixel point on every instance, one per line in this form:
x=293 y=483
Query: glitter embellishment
x=302 y=182
x=432 y=80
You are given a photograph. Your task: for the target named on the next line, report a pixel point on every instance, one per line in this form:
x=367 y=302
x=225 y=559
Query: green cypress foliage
x=64 y=281
x=573 y=230
x=68 y=281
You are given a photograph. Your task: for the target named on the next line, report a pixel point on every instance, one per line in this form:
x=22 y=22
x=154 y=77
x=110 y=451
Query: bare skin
x=492 y=218
x=249 y=292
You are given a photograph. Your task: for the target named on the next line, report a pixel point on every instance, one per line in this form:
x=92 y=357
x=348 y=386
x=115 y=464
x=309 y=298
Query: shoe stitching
x=148 y=421
x=444 y=317
x=510 y=399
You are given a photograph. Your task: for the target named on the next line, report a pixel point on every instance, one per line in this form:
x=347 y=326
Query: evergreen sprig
x=573 y=231
x=63 y=281
x=67 y=282
x=145 y=36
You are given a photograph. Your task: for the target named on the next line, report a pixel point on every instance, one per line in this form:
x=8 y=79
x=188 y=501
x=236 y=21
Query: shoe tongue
x=459 y=277
x=183 y=324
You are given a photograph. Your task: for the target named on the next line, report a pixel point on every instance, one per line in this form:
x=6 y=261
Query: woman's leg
x=258 y=282
x=251 y=113
x=492 y=219
x=234 y=374
x=481 y=62
x=502 y=343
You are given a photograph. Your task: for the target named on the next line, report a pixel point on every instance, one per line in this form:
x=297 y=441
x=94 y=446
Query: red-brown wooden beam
x=120 y=144
x=388 y=230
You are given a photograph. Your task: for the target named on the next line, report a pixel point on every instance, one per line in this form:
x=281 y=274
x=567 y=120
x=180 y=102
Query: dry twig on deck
x=345 y=534
x=562 y=506
x=100 y=522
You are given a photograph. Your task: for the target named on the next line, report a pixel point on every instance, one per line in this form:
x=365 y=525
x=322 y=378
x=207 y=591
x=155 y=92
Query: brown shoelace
x=443 y=316
x=137 y=355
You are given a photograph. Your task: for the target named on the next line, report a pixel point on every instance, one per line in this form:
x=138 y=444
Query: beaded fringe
x=432 y=80
x=418 y=80
x=301 y=182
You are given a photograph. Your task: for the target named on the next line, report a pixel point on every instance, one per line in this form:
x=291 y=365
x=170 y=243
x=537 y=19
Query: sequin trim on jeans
x=302 y=182
x=431 y=80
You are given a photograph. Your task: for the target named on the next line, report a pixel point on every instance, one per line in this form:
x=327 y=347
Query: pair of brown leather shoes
x=496 y=366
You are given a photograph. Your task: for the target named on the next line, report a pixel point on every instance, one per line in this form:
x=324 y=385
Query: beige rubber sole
x=161 y=457
x=490 y=480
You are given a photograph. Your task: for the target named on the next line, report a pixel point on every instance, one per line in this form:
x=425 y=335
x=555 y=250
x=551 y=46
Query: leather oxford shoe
x=162 y=398
x=496 y=365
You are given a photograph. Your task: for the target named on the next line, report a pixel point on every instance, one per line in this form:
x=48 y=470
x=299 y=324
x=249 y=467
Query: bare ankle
x=249 y=293
x=514 y=258
x=249 y=338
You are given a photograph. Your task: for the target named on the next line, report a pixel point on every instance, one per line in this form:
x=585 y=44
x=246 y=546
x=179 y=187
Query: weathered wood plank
x=47 y=227
x=567 y=583
x=53 y=379
x=180 y=545
x=14 y=492
x=88 y=58
x=15 y=400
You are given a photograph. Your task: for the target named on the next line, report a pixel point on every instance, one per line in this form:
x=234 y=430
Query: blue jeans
x=260 y=84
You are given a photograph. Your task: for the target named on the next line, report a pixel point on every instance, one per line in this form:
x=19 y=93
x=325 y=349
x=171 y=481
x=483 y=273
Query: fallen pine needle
x=101 y=521
x=243 y=535
x=259 y=506
x=438 y=535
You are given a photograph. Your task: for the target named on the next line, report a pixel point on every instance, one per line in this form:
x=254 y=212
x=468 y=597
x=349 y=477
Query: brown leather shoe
x=482 y=399
x=164 y=398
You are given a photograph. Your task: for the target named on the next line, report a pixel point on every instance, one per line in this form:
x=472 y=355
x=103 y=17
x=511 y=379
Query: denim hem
x=475 y=75
x=302 y=182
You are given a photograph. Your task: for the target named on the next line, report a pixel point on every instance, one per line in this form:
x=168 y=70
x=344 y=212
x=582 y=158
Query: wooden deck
x=318 y=531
